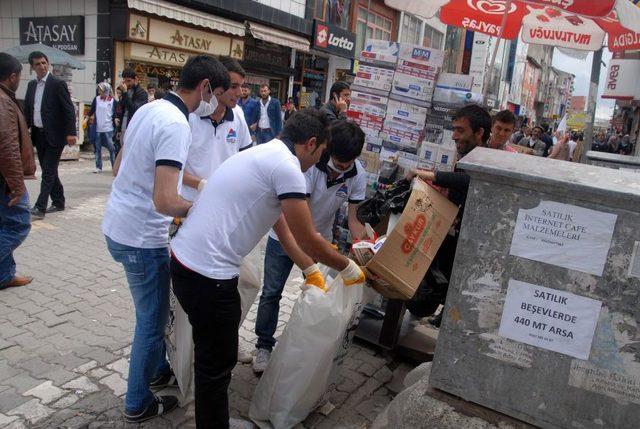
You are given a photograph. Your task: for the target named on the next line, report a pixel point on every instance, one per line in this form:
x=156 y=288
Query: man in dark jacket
x=471 y=128
x=16 y=162
x=339 y=99
x=51 y=116
x=133 y=96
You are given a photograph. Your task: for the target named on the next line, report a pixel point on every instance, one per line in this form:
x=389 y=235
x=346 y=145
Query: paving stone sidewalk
x=65 y=338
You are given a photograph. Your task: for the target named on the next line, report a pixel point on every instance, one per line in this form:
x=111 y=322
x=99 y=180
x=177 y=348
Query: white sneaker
x=240 y=424
x=261 y=360
x=244 y=354
x=97 y=171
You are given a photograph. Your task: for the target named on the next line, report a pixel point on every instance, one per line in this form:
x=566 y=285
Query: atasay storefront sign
x=335 y=40
x=62 y=32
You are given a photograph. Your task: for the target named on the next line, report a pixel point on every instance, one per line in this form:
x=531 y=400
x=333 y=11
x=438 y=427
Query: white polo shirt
x=326 y=196
x=104 y=114
x=236 y=208
x=158 y=134
x=212 y=144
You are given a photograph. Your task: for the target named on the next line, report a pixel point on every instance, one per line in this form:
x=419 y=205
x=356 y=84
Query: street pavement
x=65 y=338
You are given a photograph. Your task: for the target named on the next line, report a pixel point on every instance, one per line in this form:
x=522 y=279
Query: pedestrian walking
x=102 y=112
x=338 y=178
x=143 y=200
x=16 y=162
x=240 y=202
x=51 y=117
x=270 y=118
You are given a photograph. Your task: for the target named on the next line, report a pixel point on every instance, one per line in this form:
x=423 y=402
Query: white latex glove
x=201 y=184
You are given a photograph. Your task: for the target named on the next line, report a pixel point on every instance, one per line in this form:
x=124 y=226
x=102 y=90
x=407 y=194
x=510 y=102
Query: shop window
x=432 y=38
x=335 y=12
x=371 y=25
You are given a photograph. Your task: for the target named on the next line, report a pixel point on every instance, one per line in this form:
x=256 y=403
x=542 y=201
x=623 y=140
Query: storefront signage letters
x=156 y=54
x=178 y=36
x=62 y=32
x=334 y=40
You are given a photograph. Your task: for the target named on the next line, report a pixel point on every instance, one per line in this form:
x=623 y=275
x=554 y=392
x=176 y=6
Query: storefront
x=330 y=60
x=158 y=49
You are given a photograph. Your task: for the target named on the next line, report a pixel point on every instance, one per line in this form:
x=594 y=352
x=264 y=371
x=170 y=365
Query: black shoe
x=162 y=405
x=167 y=380
x=54 y=209
x=435 y=321
x=37 y=214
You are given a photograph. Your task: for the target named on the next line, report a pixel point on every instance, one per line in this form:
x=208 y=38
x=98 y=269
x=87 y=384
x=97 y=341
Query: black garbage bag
x=391 y=200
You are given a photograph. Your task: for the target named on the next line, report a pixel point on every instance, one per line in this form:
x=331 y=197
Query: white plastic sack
x=178 y=334
x=308 y=356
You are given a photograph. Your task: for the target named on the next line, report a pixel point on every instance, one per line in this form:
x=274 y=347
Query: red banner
x=485 y=16
x=593 y=8
x=620 y=38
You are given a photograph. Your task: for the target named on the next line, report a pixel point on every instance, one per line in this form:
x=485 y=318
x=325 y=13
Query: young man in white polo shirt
x=337 y=178
x=243 y=198
x=144 y=197
x=218 y=136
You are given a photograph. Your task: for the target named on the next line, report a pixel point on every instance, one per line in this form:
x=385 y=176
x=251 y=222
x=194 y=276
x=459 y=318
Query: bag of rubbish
x=393 y=200
x=307 y=359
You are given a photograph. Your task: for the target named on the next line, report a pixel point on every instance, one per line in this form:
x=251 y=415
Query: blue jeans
x=104 y=139
x=15 y=223
x=148 y=275
x=264 y=136
x=277 y=267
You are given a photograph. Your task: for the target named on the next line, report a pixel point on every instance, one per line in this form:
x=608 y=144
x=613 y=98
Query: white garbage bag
x=307 y=359
x=178 y=336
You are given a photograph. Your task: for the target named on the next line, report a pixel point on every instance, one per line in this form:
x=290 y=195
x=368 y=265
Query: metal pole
x=487 y=76
x=591 y=104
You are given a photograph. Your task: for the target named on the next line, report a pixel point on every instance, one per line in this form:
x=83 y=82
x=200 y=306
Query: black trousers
x=49 y=158
x=213 y=307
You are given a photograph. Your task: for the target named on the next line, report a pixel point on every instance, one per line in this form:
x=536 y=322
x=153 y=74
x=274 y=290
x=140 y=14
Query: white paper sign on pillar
x=552 y=319
x=565 y=235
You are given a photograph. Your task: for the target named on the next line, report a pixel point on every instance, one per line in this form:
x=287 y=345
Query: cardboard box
x=446 y=156
x=371 y=104
x=412 y=86
x=407 y=138
x=421 y=54
x=374 y=77
x=380 y=50
x=365 y=120
x=455 y=81
x=398 y=267
x=409 y=115
x=370 y=161
x=428 y=152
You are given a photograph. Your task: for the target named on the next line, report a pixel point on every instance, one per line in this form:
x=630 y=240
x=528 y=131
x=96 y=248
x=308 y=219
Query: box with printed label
x=446 y=156
x=402 y=139
x=412 y=86
x=368 y=103
x=462 y=82
x=374 y=77
x=428 y=152
x=370 y=161
x=380 y=50
x=366 y=120
x=399 y=266
x=409 y=115
x=421 y=54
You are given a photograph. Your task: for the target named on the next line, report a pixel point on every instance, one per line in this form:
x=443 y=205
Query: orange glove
x=313 y=277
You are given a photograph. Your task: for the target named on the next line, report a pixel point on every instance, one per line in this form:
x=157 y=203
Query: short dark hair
x=337 y=88
x=246 y=85
x=264 y=85
x=505 y=116
x=305 y=124
x=347 y=140
x=129 y=73
x=152 y=86
x=478 y=118
x=233 y=66
x=160 y=93
x=200 y=67
x=8 y=66
x=37 y=55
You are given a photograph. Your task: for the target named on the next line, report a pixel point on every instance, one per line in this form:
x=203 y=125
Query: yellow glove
x=313 y=277
x=352 y=275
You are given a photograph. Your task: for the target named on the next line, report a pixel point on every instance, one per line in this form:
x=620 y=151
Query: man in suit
x=51 y=117
x=270 y=117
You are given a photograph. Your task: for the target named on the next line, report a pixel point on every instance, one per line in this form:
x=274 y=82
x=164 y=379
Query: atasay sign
x=334 y=40
x=62 y=32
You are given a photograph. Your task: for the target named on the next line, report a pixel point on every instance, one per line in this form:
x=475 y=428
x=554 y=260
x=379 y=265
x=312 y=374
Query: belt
x=264 y=129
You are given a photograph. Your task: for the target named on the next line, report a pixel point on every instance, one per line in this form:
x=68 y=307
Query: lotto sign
x=334 y=40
